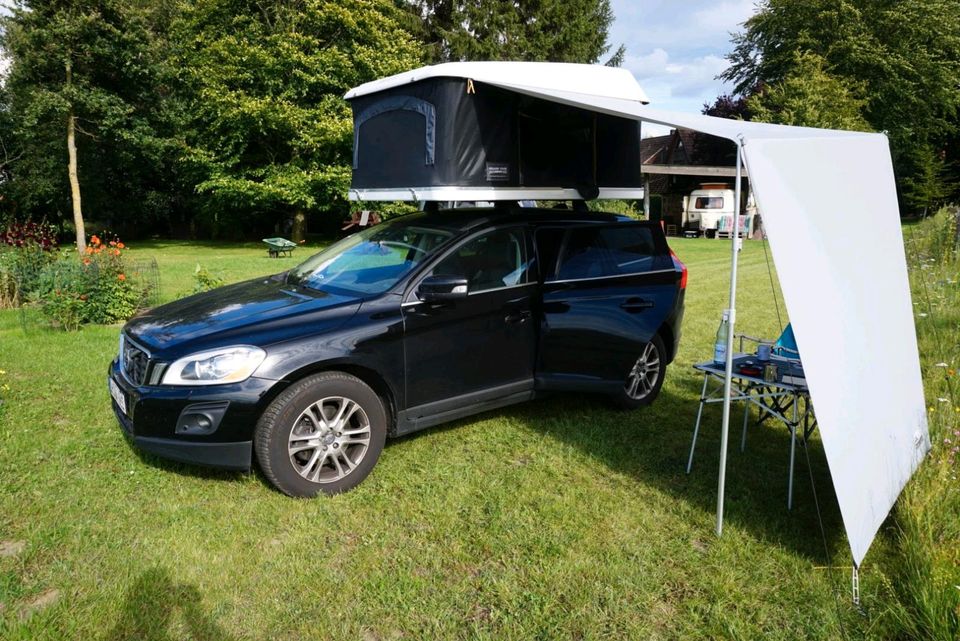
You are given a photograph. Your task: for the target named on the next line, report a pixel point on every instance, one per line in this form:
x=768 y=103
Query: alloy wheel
x=329 y=439
x=642 y=378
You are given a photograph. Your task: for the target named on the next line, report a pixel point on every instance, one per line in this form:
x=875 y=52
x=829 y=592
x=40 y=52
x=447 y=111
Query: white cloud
x=663 y=77
x=676 y=50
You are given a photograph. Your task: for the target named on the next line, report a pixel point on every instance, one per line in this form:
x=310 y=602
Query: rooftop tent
x=428 y=135
x=831 y=215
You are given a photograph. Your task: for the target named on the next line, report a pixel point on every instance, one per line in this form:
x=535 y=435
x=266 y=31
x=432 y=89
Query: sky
x=676 y=48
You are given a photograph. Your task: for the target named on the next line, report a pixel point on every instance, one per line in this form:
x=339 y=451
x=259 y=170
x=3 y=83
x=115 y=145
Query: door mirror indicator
x=438 y=289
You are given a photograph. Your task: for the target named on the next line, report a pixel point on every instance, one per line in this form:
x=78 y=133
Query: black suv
x=411 y=323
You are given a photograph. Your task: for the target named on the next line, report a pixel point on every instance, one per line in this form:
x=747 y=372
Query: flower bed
x=69 y=290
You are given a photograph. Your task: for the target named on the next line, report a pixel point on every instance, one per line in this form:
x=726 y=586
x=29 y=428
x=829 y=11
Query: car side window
x=597 y=252
x=491 y=261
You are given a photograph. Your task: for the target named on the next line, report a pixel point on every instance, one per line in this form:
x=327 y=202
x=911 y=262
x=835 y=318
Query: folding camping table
x=779 y=399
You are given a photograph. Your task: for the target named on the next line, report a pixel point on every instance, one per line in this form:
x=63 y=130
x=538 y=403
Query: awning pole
x=646 y=197
x=731 y=318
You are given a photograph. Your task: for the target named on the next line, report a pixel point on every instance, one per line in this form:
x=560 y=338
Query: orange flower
x=89 y=250
x=120 y=245
x=116 y=252
x=86 y=261
x=94 y=240
x=121 y=277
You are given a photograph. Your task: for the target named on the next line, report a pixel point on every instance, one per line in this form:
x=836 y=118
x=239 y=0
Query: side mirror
x=439 y=289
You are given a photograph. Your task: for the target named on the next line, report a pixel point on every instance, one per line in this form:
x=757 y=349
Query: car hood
x=256 y=312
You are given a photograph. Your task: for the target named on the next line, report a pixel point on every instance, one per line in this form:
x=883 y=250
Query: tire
x=322 y=435
x=645 y=378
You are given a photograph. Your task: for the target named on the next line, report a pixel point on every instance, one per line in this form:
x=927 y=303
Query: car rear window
x=708 y=202
x=598 y=252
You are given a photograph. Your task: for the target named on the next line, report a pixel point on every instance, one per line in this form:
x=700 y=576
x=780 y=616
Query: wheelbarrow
x=279 y=247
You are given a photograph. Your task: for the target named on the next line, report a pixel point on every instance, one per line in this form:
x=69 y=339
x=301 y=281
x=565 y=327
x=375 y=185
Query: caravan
x=709 y=211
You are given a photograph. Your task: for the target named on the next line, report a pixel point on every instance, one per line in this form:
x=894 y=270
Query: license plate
x=118 y=396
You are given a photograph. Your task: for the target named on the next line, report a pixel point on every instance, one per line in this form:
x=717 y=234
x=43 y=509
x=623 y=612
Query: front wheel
x=645 y=378
x=323 y=434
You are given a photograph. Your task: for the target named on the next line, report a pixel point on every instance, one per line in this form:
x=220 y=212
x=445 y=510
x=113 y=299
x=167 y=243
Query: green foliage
x=121 y=93
x=810 y=97
x=62 y=292
x=97 y=288
x=925 y=570
x=928 y=183
x=204 y=280
x=269 y=131
x=20 y=269
x=550 y=30
x=630 y=208
x=904 y=54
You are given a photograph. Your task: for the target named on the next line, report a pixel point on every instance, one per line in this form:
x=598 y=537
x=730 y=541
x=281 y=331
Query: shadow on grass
x=652 y=444
x=158 y=608
x=185 y=469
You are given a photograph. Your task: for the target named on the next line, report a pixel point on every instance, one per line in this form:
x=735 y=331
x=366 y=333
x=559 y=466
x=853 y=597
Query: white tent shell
x=830 y=211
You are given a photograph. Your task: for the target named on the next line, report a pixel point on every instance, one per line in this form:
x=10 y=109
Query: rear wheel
x=645 y=378
x=324 y=434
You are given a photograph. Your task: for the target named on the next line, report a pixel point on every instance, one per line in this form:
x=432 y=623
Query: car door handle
x=517 y=317
x=634 y=305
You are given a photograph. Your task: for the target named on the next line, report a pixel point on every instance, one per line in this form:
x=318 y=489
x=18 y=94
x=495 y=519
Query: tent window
x=399 y=103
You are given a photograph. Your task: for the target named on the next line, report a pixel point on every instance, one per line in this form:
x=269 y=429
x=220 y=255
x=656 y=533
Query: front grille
x=135 y=363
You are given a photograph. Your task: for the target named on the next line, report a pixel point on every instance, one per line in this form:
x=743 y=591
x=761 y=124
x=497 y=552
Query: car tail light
x=683 y=269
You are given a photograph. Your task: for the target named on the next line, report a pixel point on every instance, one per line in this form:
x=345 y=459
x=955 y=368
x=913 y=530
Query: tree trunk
x=72 y=172
x=299 y=231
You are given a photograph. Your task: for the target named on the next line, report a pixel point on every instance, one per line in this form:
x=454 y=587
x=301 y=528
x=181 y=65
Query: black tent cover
x=459 y=137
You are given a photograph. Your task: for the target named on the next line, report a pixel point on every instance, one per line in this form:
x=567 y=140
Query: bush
x=29 y=234
x=25 y=249
x=94 y=289
x=204 y=280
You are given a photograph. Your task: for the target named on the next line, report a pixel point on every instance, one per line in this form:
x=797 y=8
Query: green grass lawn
x=558 y=519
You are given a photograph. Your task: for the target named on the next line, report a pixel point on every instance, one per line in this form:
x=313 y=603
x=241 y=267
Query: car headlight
x=214 y=367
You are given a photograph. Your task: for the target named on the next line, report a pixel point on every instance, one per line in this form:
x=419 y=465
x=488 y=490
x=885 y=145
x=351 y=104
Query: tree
x=713 y=150
x=810 y=97
x=548 y=30
x=270 y=133
x=906 y=54
x=82 y=79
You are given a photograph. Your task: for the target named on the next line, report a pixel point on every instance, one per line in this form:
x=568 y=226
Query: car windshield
x=369 y=262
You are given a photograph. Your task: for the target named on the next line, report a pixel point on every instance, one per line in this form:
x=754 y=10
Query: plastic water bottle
x=720 y=347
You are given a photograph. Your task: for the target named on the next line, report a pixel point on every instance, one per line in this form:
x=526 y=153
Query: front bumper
x=152 y=413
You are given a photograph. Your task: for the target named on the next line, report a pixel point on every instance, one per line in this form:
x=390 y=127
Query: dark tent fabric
x=451 y=132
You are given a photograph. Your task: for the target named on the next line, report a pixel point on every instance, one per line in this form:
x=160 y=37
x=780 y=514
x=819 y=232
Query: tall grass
x=924 y=570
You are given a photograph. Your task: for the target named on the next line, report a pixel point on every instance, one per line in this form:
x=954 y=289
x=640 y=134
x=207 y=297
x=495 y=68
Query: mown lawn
x=563 y=518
